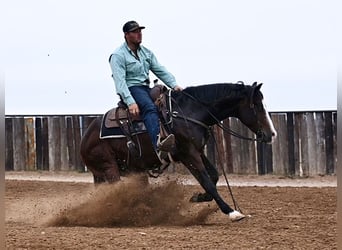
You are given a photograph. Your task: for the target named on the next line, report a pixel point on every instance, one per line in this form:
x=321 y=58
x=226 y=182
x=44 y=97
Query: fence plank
x=77 y=142
x=329 y=142
x=39 y=143
x=312 y=154
x=9 y=144
x=30 y=142
x=54 y=143
x=244 y=158
x=19 y=146
x=64 y=144
x=291 y=144
x=70 y=143
x=280 y=147
x=320 y=144
x=306 y=145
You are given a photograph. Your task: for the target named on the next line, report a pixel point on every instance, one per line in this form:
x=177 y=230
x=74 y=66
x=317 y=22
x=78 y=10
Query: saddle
x=118 y=122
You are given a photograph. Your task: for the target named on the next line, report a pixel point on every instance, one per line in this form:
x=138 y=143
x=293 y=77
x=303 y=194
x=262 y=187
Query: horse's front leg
x=213 y=174
x=197 y=168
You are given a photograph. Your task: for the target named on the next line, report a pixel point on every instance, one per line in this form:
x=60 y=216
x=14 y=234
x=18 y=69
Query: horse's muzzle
x=267 y=138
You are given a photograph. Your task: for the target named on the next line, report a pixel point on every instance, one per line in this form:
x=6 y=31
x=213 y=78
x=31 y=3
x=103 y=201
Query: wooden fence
x=305 y=146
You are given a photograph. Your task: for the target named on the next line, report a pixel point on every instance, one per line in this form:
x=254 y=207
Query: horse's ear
x=255 y=87
x=258 y=86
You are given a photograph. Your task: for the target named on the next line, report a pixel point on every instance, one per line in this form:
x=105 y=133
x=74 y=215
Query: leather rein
x=176 y=114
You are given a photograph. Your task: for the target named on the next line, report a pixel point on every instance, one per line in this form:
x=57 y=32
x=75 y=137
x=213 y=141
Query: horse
x=193 y=111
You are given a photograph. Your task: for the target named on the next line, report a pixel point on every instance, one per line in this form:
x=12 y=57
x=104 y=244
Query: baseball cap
x=131 y=26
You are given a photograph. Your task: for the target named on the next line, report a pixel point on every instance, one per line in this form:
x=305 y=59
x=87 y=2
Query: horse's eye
x=259 y=107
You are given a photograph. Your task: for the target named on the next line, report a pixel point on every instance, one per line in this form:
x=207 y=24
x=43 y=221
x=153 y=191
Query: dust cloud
x=133 y=203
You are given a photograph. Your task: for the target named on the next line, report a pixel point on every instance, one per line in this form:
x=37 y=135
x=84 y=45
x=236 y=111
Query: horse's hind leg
x=98 y=179
x=112 y=173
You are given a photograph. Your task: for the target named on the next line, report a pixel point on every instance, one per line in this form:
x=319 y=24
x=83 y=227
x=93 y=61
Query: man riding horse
x=130 y=64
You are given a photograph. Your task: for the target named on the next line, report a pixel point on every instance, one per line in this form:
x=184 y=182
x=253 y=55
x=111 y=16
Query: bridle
x=176 y=114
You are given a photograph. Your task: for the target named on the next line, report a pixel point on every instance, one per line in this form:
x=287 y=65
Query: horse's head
x=254 y=115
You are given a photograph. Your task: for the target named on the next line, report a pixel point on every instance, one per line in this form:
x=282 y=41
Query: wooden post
x=280 y=148
x=329 y=143
x=290 y=143
x=30 y=144
x=261 y=158
x=19 y=147
x=319 y=149
x=9 y=144
x=54 y=144
x=39 y=143
x=64 y=144
x=77 y=140
x=71 y=144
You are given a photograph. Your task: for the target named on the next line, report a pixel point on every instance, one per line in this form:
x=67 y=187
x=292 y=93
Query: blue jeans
x=148 y=111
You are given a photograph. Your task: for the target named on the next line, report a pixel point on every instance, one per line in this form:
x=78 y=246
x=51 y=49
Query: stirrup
x=167 y=144
x=132 y=149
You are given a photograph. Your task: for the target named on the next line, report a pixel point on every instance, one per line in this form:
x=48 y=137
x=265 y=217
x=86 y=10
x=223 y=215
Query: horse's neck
x=221 y=113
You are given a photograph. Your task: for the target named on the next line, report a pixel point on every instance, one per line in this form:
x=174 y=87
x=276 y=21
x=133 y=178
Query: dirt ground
x=42 y=213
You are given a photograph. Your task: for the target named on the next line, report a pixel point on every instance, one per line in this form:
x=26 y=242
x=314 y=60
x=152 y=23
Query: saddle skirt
x=115 y=119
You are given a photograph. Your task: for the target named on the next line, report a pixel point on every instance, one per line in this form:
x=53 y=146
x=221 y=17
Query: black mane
x=210 y=93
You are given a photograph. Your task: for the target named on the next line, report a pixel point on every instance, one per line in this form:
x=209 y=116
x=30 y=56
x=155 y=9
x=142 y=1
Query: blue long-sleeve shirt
x=129 y=70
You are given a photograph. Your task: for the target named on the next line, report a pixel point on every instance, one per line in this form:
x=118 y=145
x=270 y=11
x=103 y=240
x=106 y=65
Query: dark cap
x=131 y=26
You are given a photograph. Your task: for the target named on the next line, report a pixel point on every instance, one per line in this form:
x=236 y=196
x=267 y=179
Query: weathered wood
x=39 y=143
x=329 y=142
x=320 y=144
x=244 y=155
x=30 y=144
x=71 y=143
x=9 y=144
x=305 y=146
x=45 y=143
x=236 y=146
x=280 y=147
x=42 y=145
x=64 y=144
x=77 y=141
x=54 y=143
x=311 y=138
x=290 y=144
x=19 y=146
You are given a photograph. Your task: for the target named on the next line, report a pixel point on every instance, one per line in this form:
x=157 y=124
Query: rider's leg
x=149 y=113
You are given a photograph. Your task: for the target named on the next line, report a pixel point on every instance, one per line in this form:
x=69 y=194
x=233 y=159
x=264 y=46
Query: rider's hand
x=177 y=88
x=134 y=109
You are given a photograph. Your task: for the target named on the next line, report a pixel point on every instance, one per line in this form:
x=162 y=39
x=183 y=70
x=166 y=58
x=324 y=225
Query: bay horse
x=194 y=110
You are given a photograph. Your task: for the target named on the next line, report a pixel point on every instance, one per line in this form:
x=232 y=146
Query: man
x=130 y=64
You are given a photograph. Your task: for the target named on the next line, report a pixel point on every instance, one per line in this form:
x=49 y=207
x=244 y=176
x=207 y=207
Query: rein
x=175 y=114
x=219 y=124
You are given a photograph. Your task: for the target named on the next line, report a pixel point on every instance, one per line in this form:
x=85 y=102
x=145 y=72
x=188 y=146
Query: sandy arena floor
x=66 y=211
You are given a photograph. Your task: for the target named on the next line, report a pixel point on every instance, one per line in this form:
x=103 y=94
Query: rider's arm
x=117 y=64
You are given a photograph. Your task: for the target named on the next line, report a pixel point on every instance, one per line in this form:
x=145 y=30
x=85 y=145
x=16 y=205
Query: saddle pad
x=110 y=127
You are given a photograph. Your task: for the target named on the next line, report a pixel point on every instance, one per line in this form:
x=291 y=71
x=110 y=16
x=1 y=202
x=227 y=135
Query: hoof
x=201 y=198
x=236 y=216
